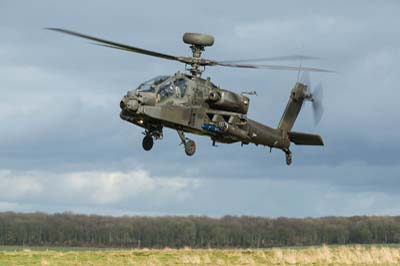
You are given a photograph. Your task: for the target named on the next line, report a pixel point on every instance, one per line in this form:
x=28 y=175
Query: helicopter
x=188 y=103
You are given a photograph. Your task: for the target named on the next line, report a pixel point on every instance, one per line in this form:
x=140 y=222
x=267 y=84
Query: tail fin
x=293 y=107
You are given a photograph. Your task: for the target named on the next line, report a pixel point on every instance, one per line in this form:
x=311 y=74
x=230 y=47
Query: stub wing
x=300 y=138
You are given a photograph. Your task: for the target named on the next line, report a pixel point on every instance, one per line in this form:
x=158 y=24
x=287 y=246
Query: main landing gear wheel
x=190 y=147
x=147 y=142
x=288 y=157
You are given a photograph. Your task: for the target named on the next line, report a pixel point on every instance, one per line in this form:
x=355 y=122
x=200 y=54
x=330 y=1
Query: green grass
x=302 y=256
x=62 y=249
x=65 y=249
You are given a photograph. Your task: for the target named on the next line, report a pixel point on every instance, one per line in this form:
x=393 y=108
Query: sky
x=63 y=146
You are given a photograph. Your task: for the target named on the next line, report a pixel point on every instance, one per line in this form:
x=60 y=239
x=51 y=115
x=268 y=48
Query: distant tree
x=67 y=229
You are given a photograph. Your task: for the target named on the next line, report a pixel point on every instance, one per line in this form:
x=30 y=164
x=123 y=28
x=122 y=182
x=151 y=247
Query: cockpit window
x=180 y=87
x=175 y=88
x=150 y=85
x=166 y=90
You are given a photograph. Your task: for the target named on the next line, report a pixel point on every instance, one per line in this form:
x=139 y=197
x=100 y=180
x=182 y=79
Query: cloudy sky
x=63 y=146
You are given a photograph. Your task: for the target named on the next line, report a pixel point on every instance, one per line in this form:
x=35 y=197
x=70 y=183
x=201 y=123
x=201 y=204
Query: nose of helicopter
x=122 y=104
x=131 y=105
x=134 y=99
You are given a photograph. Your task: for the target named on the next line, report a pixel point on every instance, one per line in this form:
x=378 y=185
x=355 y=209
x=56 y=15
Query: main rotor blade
x=116 y=45
x=274 y=67
x=276 y=58
x=187 y=60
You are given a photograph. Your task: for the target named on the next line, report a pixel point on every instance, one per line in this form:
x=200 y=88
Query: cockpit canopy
x=150 y=85
x=174 y=87
x=165 y=86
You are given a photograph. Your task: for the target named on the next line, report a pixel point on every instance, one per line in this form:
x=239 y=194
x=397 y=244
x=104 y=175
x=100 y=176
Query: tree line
x=67 y=229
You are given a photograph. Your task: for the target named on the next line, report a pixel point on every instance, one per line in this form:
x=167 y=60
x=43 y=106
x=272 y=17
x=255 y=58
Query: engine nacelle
x=228 y=101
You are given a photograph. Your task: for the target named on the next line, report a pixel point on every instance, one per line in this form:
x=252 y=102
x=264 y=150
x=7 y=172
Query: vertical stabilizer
x=293 y=107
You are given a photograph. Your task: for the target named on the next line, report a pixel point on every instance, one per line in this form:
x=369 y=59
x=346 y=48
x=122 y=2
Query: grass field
x=325 y=255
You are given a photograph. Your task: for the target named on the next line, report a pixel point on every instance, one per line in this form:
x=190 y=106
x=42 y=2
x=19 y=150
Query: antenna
x=249 y=93
x=298 y=73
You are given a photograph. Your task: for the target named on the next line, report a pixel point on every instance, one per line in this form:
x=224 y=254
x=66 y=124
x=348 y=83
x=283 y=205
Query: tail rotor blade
x=317 y=105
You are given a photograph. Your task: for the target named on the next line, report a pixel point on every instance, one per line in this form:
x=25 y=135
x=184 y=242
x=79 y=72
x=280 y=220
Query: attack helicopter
x=188 y=103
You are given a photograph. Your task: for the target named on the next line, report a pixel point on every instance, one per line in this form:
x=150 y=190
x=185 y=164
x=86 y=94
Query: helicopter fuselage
x=188 y=103
x=195 y=105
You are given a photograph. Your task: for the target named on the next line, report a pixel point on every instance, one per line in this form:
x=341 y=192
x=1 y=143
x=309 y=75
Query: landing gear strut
x=288 y=157
x=190 y=145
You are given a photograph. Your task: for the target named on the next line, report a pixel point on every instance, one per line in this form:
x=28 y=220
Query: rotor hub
x=197 y=43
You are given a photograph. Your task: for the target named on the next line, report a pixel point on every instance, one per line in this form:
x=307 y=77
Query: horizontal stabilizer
x=300 y=138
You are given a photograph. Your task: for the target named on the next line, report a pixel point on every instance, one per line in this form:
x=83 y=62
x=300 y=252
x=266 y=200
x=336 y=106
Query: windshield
x=175 y=88
x=166 y=90
x=150 y=85
x=180 y=86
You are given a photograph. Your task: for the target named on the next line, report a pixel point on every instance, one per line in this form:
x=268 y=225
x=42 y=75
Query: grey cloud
x=139 y=192
x=59 y=102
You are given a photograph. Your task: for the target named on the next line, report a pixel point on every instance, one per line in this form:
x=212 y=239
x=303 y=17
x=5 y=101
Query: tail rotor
x=315 y=96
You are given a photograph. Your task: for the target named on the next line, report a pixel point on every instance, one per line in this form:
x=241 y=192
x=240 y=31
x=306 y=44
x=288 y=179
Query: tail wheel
x=147 y=142
x=190 y=147
x=289 y=158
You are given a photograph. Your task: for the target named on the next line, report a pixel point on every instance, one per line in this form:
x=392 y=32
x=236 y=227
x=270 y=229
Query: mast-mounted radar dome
x=198 y=39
